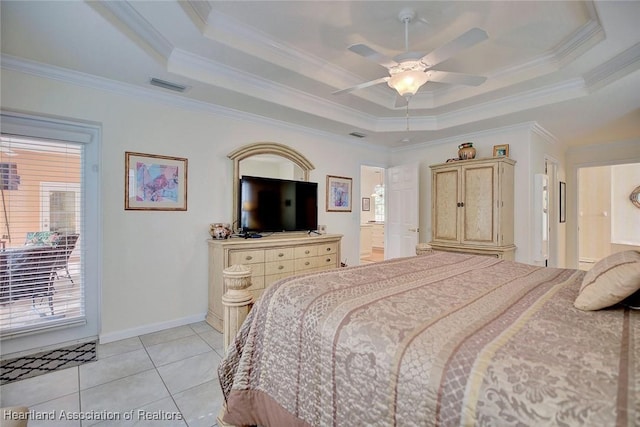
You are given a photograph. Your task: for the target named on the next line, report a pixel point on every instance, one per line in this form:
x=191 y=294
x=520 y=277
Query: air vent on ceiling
x=168 y=85
x=357 y=134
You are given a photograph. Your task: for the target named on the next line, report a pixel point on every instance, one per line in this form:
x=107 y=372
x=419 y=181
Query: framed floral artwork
x=338 y=194
x=154 y=182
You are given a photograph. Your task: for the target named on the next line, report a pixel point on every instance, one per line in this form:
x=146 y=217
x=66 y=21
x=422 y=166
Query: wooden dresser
x=270 y=259
x=472 y=207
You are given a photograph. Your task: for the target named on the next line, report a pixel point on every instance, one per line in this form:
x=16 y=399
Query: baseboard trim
x=148 y=329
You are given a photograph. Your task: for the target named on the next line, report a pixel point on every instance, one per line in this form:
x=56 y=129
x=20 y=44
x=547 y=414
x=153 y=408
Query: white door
x=64 y=158
x=401 y=234
x=60 y=207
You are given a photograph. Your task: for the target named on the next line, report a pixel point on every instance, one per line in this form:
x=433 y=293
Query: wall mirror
x=269 y=160
x=635 y=197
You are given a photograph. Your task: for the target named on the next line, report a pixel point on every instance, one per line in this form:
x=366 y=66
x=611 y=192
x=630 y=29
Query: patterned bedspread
x=443 y=339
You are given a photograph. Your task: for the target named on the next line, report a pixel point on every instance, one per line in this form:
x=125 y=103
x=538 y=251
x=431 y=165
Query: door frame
x=90 y=136
x=46 y=188
x=404 y=230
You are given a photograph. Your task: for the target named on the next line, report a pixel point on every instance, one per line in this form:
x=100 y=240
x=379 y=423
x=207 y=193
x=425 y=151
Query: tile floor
x=376 y=255
x=171 y=374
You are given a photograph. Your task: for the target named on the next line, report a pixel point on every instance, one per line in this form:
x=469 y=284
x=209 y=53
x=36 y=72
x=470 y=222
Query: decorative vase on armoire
x=466 y=151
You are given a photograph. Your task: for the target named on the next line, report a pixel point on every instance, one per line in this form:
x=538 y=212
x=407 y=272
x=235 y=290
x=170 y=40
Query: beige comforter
x=442 y=339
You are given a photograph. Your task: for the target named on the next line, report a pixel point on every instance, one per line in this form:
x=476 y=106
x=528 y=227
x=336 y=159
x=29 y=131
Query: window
x=41 y=232
x=49 y=224
x=379 y=202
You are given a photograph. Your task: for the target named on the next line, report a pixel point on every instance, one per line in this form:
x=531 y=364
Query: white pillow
x=611 y=280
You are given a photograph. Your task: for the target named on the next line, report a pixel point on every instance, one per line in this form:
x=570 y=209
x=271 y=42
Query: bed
x=438 y=339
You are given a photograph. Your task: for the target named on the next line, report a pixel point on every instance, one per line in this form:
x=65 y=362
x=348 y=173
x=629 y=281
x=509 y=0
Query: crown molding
x=586 y=37
x=525 y=126
x=227 y=30
x=198 y=11
x=211 y=72
x=156 y=96
x=614 y=69
x=545 y=134
x=126 y=13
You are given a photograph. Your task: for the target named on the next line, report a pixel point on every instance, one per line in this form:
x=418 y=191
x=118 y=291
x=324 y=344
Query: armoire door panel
x=479 y=210
x=446 y=209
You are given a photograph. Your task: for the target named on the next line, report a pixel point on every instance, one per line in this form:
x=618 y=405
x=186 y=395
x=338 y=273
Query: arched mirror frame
x=259 y=148
x=635 y=197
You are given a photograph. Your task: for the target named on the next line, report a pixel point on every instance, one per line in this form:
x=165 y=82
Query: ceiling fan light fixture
x=407 y=83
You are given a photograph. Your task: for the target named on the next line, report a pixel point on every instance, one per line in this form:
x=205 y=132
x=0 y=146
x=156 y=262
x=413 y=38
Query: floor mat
x=47 y=361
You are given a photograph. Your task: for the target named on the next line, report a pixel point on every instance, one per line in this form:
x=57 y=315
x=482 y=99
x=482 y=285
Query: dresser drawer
x=271 y=255
x=278 y=267
x=246 y=257
x=329 y=248
x=306 y=263
x=326 y=261
x=306 y=251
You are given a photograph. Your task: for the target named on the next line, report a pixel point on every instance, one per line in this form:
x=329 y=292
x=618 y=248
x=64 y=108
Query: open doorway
x=372 y=214
x=605 y=212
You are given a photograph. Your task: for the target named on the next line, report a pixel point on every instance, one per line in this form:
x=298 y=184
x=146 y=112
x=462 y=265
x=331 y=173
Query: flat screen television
x=273 y=205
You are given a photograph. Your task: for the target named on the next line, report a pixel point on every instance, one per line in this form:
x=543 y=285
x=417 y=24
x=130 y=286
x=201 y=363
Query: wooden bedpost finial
x=237 y=300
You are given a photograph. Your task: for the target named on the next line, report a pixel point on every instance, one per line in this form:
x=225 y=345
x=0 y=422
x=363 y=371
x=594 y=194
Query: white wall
x=155 y=263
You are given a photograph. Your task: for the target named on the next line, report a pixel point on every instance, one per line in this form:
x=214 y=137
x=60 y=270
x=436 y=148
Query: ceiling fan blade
x=446 y=51
x=361 y=86
x=455 y=78
x=372 y=55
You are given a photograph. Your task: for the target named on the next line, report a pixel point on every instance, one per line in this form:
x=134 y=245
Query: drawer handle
x=328 y=249
x=328 y=259
x=307 y=263
x=280 y=254
x=280 y=267
x=307 y=252
x=249 y=258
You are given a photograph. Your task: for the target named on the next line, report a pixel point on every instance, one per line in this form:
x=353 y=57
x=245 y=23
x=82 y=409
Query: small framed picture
x=366 y=204
x=338 y=194
x=563 y=202
x=501 y=150
x=154 y=182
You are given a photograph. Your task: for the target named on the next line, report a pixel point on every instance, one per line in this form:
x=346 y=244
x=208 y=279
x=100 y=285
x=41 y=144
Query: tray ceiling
x=569 y=66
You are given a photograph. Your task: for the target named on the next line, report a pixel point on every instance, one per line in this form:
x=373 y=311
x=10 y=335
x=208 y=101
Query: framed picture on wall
x=154 y=182
x=563 y=201
x=501 y=150
x=366 y=204
x=338 y=194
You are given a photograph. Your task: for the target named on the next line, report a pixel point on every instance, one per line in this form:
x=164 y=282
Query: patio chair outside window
x=66 y=242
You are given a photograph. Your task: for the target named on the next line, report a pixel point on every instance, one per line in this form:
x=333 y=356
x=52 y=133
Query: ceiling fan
x=408 y=71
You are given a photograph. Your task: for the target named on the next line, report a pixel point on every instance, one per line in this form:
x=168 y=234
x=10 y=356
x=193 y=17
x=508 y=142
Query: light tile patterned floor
x=171 y=375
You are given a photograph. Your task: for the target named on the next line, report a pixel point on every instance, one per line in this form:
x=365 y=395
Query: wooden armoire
x=472 y=207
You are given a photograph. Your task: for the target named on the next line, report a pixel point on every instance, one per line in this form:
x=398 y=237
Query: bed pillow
x=610 y=281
